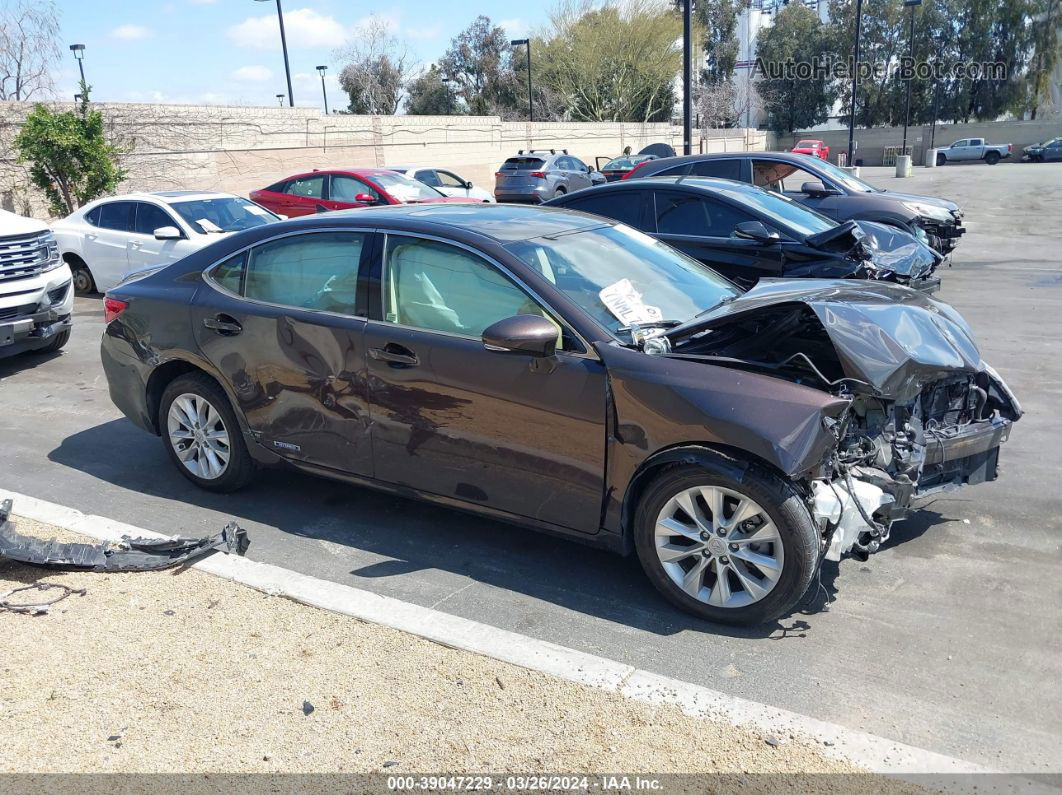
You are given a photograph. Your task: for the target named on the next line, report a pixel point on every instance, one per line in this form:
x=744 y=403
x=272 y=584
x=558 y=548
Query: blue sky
x=228 y=51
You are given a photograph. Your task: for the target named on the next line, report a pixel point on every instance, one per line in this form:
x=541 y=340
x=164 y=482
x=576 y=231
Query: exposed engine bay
x=924 y=414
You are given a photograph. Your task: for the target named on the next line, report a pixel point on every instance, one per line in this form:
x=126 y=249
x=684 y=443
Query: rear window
x=523 y=164
x=807 y=144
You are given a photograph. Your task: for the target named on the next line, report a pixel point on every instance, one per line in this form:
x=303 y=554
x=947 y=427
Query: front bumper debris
x=129 y=554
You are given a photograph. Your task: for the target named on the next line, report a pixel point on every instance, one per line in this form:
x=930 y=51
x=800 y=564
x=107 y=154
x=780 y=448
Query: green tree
x=428 y=95
x=1046 y=18
x=479 y=64
x=717 y=21
x=69 y=156
x=793 y=101
x=613 y=63
x=376 y=72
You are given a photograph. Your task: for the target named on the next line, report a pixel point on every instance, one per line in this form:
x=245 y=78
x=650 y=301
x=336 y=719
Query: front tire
x=202 y=436
x=941 y=159
x=732 y=551
x=57 y=342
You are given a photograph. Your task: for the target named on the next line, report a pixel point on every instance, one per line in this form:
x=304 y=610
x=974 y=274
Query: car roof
x=717 y=185
x=503 y=223
x=169 y=196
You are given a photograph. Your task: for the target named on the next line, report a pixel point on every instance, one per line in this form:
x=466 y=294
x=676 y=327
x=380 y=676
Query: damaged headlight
x=929 y=211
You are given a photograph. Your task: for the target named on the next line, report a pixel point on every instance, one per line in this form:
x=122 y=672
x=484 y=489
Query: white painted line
x=875 y=753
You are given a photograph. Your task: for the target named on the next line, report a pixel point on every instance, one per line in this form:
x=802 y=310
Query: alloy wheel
x=198 y=435
x=719 y=546
x=82 y=280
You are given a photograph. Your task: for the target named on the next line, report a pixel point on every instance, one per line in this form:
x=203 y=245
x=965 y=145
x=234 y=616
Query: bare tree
x=715 y=104
x=29 y=32
x=378 y=68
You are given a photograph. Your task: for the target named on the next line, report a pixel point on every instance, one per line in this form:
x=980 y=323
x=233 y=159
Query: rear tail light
x=112 y=308
x=1010 y=148
x=499 y=173
x=631 y=173
x=538 y=174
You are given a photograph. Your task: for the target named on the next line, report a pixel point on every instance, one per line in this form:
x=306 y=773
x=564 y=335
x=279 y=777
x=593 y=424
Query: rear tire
x=772 y=509
x=992 y=158
x=559 y=192
x=84 y=284
x=202 y=435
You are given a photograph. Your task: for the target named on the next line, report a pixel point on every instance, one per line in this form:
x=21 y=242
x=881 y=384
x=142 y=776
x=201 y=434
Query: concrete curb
x=877 y=754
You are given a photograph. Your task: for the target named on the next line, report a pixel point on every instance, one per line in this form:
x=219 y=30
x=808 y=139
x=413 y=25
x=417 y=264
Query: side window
x=957 y=144
x=565 y=163
x=93 y=215
x=726 y=169
x=675 y=171
x=117 y=216
x=624 y=206
x=229 y=274
x=307 y=187
x=439 y=287
x=150 y=217
x=778 y=176
x=346 y=189
x=577 y=164
x=448 y=180
x=278 y=187
x=686 y=214
x=310 y=271
x=428 y=177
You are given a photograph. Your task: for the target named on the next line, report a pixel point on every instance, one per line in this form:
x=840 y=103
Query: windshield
x=842 y=176
x=622 y=276
x=624 y=163
x=403 y=188
x=807 y=144
x=228 y=214
x=781 y=209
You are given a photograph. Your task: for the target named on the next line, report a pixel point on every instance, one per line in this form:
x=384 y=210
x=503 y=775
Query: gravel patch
x=180 y=671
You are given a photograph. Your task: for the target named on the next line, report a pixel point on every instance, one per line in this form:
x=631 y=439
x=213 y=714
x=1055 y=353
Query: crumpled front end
x=894 y=255
x=925 y=413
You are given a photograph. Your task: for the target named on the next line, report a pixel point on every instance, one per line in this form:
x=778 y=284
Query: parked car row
x=632 y=365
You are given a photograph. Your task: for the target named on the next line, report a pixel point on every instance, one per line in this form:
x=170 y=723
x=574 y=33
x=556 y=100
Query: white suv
x=36 y=300
x=108 y=238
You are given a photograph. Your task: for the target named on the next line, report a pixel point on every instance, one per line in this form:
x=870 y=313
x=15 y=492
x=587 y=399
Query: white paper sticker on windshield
x=208 y=225
x=626 y=304
x=254 y=208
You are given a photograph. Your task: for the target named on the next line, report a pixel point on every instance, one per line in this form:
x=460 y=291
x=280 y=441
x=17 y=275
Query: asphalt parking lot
x=947 y=639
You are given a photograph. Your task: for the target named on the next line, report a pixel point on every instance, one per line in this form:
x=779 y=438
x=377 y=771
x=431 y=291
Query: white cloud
x=252 y=74
x=131 y=32
x=425 y=33
x=515 y=28
x=303 y=27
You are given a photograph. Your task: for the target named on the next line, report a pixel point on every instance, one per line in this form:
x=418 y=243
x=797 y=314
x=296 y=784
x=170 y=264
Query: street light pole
x=321 y=71
x=79 y=56
x=530 y=96
x=687 y=76
x=907 y=111
x=284 y=47
x=855 y=83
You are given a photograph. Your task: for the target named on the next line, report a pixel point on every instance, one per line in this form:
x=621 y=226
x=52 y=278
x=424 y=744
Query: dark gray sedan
x=568 y=373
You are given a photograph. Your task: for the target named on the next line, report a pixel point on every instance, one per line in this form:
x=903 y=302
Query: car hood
x=890 y=338
x=934 y=201
x=12 y=224
x=895 y=250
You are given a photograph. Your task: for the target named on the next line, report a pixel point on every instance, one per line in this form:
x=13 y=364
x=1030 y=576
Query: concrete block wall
x=238 y=149
x=872 y=143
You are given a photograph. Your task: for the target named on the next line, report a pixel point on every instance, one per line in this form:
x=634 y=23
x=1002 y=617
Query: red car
x=808 y=147
x=344 y=189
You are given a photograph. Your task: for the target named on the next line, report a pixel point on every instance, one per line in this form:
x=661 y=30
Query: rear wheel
x=84 y=284
x=202 y=435
x=730 y=551
x=992 y=158
x=559 y=192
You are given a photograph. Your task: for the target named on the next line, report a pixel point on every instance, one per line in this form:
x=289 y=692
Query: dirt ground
x=182 y=671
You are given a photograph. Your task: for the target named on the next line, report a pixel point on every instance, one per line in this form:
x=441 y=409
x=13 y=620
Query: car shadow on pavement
x=10 y=365
x=414 y=536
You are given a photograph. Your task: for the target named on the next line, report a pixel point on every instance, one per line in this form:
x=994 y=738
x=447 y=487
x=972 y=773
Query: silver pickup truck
x=974 y=149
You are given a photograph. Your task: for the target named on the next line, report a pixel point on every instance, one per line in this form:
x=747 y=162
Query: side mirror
x=755 y=230
x=365 y=198
x=532 y=335
x=168 y=233
x=818 y=189
x=468 y=184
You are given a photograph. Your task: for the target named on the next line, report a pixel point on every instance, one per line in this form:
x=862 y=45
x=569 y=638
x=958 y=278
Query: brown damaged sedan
x=570 y=374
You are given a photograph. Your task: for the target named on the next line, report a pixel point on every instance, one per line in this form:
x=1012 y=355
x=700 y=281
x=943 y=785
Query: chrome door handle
x=395 y=354
x=223 y=324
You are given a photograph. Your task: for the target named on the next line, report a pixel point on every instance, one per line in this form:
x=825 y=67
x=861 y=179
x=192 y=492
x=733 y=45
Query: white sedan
x=108 y=238
x=445 y=181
